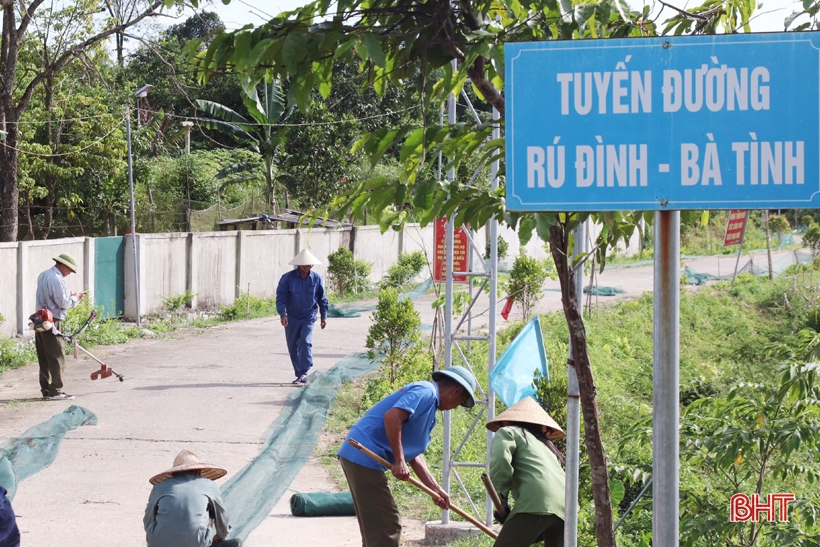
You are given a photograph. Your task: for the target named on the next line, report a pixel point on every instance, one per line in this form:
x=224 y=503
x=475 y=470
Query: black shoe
x=58 y=397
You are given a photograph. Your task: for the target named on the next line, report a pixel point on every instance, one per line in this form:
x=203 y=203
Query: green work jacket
x=523 y=465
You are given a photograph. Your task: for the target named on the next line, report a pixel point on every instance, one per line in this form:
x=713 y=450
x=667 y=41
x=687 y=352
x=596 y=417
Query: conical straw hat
x=305 y=258
x=187 y=461
x=527 y=411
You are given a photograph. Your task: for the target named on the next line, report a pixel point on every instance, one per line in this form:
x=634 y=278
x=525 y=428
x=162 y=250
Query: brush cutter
x=104 y=371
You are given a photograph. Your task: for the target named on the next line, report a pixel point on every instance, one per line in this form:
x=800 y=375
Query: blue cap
x=464 y=377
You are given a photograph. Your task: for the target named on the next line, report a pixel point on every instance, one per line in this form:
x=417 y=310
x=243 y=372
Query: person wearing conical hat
x=524 y=463
x=53 y=296
x=185 y=508
x=299 y=297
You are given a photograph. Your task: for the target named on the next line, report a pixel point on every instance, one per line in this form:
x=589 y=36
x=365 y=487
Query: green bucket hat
x=67 y=260
x=463 y=377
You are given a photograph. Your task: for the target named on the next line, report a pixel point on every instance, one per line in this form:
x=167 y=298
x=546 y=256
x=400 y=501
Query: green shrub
x=248 y=306
x=526 y=277
x=174 y=302
x=812 y=238
x=14 y=354
x=346 y=274
x=400 y=274
x=100 y=331
x=394 y=340
x=503 y=248
x=779 y=224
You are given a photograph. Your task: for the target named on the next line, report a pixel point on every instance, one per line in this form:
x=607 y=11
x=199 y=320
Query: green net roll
x=322 y=504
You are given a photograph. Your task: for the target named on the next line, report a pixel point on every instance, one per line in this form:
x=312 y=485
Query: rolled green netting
x=37 y=448
x=322 y=504
x=603 y=291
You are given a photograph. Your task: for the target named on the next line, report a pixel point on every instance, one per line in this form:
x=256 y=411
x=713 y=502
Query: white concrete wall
x=163 y=270
x=264 y=257
x=8 y=288
x=214 y=265
x=381 y=250
x=215 y=279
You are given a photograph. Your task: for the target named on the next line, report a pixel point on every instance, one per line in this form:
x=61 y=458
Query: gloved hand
x=499 y=518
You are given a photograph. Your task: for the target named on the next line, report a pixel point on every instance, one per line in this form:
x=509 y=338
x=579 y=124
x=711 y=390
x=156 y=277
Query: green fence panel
x=109 y=275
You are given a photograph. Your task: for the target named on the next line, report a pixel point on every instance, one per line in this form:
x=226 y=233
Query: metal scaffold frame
x=488 y=276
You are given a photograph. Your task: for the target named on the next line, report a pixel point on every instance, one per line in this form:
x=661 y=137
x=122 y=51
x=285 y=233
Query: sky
x=769 y=18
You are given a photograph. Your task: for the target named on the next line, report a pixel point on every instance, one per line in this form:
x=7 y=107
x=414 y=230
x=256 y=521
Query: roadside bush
x=394 y=340
x=400 y=274
x=526 y=277
x=346 y=274
x=779 y=224
x=812 y=238
x=174 y=302
x=15 y=354
x=101 y=332
x=248 y=306
x=503 y=248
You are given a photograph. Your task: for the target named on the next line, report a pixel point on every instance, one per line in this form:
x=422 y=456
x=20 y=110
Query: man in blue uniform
x=301 y=293
x=398 y=429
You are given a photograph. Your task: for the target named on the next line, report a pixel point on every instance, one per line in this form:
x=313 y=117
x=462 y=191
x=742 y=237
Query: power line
x=306 y=124
x=81 y=118
x=73 y=152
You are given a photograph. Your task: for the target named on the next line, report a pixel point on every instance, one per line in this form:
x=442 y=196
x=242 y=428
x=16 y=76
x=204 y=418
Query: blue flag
x=513 y=374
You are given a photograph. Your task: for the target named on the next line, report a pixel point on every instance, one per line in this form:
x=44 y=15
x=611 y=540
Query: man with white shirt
x=53 y=296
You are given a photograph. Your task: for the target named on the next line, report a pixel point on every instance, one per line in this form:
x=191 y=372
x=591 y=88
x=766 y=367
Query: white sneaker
x=59 y=397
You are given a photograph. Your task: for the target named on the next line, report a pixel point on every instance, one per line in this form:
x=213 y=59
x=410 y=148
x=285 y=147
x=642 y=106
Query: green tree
x=78 y=31
x=408 y=266
x=779 y=224
x=526 y=278
x=757 y=439
x=394 y=338
x=347 y=274
x=812 y=238
x=262 y=133
x=74 y=152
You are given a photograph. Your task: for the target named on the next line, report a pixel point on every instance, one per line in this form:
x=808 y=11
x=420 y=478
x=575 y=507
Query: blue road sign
x=706 y=122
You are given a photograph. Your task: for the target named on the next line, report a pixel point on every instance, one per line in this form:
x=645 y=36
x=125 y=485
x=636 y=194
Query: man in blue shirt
x=398 y=429
x=300 y=294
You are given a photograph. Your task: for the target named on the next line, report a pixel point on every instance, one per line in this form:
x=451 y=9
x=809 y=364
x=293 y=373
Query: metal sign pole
x=448 y=320
x=133 y=217
x=666 y=381
x=574 y=412
x=493 y=270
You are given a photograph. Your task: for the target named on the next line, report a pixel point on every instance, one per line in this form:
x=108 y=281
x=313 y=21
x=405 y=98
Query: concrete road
x=212 y=391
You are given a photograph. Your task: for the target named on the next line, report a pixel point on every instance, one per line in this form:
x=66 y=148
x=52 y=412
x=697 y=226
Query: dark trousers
x=51 y=356
x=376 y=509
x=525 y=529
x=299 y=337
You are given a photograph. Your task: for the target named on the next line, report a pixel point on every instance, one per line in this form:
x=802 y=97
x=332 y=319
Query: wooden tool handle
x=424 y=488
x=499 y=506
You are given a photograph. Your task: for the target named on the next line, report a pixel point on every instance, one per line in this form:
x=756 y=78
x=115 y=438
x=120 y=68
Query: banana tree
x=263 y=132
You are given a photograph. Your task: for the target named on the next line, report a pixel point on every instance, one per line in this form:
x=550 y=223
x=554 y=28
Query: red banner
x=461 y=247
x=735 y=227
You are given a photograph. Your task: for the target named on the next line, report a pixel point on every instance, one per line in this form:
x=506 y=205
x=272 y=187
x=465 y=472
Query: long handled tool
x=104 y=371
x=415 y=482
x=499 y=507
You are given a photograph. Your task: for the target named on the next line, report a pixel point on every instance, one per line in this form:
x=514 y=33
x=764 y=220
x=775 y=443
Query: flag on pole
x=512 y=376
